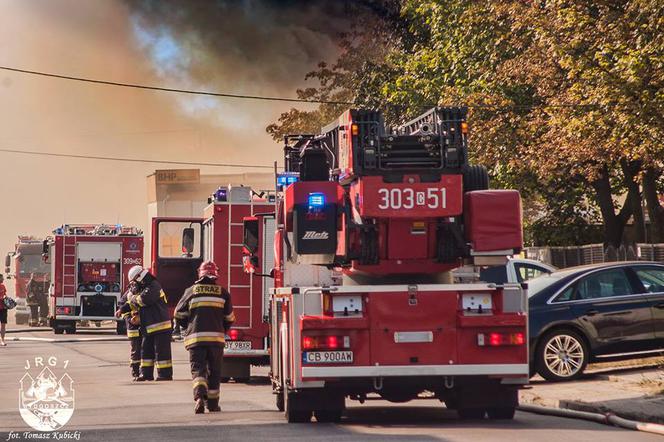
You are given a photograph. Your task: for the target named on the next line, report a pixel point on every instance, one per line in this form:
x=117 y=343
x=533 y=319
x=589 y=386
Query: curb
x=31 y=339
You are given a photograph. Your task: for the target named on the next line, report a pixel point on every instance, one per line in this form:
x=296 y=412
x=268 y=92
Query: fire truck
x=180 y=245
x=393 y=211
x=27 y=259
x=89 y=265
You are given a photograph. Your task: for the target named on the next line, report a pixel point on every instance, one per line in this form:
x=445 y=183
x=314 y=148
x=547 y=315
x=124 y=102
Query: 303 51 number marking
x=394 y=199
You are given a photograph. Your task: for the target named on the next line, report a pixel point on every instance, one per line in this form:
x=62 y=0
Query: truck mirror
x=250 y=240
x=188 y=235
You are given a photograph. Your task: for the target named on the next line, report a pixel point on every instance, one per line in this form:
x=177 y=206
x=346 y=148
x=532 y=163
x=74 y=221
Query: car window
x=524 y=272
x=497 y=275
x=652 y=279
x=605 y=284
x=566 y=295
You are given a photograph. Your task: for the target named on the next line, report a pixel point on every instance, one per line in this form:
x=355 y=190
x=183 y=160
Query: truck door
x=177 y=252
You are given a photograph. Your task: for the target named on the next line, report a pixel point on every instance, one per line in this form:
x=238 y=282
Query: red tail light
x=325 y=342
x=500 y=339
x=233 y=334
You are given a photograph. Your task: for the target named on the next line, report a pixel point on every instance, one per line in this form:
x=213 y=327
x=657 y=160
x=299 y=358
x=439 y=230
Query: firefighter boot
x=213 y=405
x=199 y=408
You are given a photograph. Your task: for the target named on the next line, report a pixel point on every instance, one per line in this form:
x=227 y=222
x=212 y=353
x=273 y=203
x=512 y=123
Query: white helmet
x=136 y=273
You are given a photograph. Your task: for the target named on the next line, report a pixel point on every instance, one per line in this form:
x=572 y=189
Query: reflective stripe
x=131 y=362
x=158 y=326
x=133 y=333
x=213 y=394
x=230 y=318
x=190 y=341
x=164 y=364
x=199 y=381
x=138 y=300
x=206 y=304
x=126 y=315
x=147 y=362
x=181 y=315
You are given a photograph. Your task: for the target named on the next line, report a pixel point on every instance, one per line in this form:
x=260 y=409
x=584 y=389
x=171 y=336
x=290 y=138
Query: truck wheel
x=502 y=413
x=562 y=355
x=294 y=414
x=71 y=328
x=471 y=413
x=58 y=331
x=328 y=415
x=475 y=177
x=280 y=401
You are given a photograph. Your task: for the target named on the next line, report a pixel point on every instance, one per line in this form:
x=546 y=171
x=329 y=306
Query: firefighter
x=206 y=313
x=155 y=325
x=133 y=325
x=37 y=300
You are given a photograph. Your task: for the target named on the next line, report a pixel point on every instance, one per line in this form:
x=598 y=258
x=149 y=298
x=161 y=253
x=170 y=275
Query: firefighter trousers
x=156 y=352
x=205 y=363
x=135 y=355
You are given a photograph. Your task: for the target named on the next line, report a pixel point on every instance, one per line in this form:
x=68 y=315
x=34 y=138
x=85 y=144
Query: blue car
x=589 y=313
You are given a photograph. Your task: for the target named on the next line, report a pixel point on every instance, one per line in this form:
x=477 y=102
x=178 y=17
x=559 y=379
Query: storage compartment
x=493 y=220
x=98 y=305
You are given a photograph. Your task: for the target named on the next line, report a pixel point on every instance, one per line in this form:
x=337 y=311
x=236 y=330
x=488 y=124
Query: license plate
x=238 y=345
x=327 y=357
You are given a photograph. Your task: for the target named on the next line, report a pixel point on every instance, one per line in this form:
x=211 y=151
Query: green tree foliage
x=567 y=98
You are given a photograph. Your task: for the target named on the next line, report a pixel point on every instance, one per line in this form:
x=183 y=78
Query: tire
x=471 y=413
x=58 y=331
x=324 y=416
x=501 y=413
x=295 y=416
x=475 y=177
x=562 y=355
x=280 y=401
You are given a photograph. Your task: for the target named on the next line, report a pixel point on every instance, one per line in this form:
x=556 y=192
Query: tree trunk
x=614 y=224
x=634 y=198
x=655 y=209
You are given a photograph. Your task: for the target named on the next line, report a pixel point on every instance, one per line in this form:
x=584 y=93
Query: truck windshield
x=31 y=264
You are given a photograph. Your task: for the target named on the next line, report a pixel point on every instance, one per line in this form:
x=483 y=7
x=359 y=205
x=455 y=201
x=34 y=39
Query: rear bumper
x=245 y=353
x=494 y=370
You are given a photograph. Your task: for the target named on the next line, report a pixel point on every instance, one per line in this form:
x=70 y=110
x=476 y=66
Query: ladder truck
x=370 y=221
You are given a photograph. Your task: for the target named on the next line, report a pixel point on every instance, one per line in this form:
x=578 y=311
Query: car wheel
x=562 y=356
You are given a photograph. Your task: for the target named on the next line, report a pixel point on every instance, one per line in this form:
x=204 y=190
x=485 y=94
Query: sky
x=243 y=46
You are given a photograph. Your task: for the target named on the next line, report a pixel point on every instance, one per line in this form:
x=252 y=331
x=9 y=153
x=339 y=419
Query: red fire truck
x=180 y=245
x=89 y=265
x=393 y=210
x=27 y=259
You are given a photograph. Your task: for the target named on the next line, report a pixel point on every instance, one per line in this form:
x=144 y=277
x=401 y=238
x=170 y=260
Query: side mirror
x=188 y=235
x=250 y=235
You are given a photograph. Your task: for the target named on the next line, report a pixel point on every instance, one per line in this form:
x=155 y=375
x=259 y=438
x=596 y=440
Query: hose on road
x=608 y=418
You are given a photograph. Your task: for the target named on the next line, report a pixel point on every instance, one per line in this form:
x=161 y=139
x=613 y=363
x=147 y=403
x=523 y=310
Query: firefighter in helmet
x=37 y=300
x=133 y=326
x=155 y=325
x=206 y=313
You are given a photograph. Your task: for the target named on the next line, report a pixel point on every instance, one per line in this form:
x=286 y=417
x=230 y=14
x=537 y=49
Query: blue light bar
x=316 y=200
x=285 y=179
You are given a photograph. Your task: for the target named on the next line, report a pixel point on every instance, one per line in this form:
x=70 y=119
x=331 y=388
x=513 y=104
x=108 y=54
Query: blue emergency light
x=316 y=200
x=287 y=178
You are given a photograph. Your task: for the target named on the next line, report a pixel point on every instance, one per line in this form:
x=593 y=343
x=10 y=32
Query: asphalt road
x=110 y=407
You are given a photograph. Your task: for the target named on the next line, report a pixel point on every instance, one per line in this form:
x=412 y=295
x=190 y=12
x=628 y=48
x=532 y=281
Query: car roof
x=603 y=265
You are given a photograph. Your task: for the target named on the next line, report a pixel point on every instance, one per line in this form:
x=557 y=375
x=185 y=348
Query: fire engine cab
x=89 y=266
x=370 y=221
x=180 y=245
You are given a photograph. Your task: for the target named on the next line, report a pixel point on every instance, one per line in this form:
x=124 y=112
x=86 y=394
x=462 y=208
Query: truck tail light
x=500 y=339
x=233 y=334
x=331 y=342
x=63 y=310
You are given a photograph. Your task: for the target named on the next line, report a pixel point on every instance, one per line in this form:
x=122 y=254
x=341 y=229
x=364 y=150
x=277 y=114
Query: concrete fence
x=570 y=256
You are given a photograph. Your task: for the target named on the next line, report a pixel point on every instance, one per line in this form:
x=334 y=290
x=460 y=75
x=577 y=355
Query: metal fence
x=570 y=256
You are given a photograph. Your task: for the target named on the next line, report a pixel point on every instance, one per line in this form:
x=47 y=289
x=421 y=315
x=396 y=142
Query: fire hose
x=607 y=418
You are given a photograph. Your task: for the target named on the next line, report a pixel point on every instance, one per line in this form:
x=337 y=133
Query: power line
x=168 y=89
x=131 y=160
x=281 y=99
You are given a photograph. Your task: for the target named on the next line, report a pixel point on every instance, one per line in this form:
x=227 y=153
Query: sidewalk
x=627 y=390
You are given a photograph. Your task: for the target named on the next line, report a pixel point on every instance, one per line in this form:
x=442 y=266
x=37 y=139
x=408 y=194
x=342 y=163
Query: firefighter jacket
x=152 y=307
x=37 y=291
x=132 y=318
x=206 y=311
